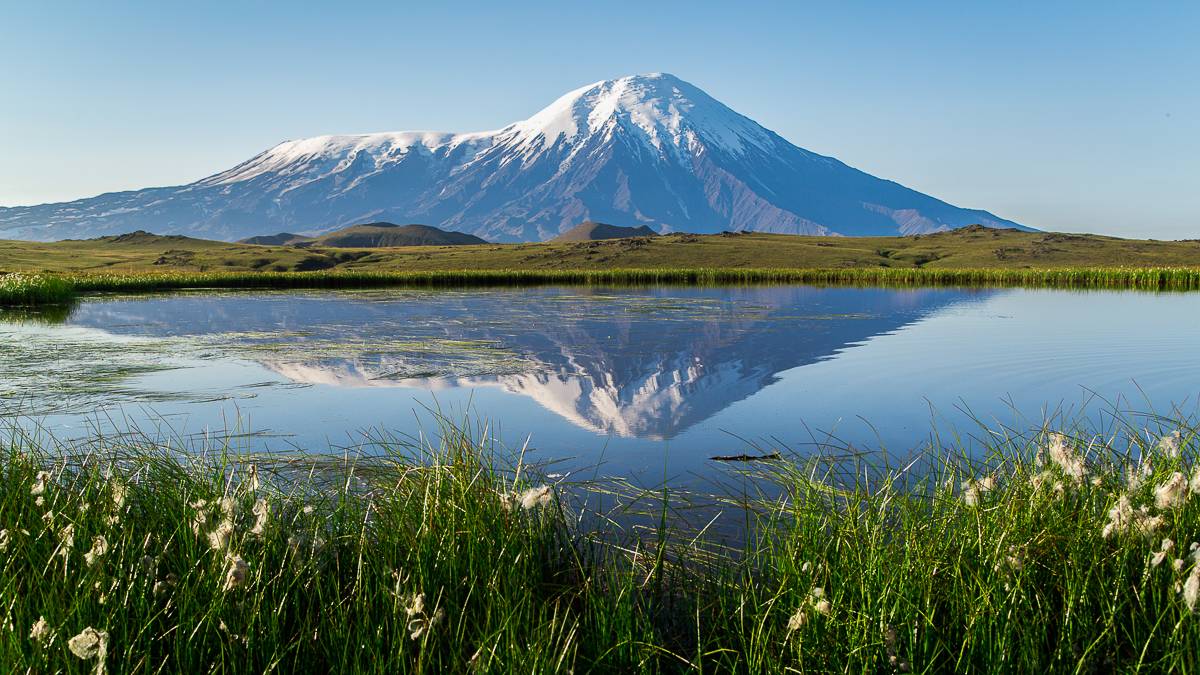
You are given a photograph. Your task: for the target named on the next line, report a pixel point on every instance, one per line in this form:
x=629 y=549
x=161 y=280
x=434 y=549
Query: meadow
x=1071 y=552
x=45 y=273
x=973 y=248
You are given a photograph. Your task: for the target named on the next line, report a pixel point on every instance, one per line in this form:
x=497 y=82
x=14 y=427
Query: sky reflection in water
x=652 y=381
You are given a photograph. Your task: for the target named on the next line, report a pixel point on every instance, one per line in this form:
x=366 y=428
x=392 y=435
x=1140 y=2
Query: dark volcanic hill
x=281 y=239
x=374 y=235
x=650 y=149
x=591 y=231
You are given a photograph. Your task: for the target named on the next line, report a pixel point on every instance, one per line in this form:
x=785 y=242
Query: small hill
x=375 y=235
x=592 y=231
x=142 y=237
x=281 y=239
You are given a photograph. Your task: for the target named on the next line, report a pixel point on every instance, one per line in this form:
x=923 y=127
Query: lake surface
x=648 y=383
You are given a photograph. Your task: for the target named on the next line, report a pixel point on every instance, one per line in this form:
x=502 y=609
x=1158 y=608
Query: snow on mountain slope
x=641 y=150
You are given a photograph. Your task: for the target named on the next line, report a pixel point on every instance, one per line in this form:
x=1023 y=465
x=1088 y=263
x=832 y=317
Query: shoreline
x=18 y=289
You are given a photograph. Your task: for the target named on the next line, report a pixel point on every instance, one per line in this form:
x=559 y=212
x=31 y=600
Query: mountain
x=373 y=235
x=647 y=149
x=592 y=231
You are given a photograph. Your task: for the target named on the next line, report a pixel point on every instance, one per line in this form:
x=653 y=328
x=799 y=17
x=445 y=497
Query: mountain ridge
x=640 y=150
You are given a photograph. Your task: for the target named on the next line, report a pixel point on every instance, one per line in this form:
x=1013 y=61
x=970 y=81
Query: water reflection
x=638 y=363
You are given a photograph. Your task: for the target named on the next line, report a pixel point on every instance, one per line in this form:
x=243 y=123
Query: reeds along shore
x=25 y=289
x=1055 y=553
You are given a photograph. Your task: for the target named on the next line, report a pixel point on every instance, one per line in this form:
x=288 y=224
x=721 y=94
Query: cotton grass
x=444 y=558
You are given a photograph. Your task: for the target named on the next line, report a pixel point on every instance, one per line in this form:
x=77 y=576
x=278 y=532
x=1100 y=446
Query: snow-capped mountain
x=647 y=149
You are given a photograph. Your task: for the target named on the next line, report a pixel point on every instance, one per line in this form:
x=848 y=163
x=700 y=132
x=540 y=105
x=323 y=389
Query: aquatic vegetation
x=17 y=290
x=23 y=290
x=45 y=370
x=453 y=556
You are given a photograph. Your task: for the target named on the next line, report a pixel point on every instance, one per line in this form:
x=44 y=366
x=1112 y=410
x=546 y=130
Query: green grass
x=22 y=290
x=47 y=289
x=913 y=574
x=968 y=248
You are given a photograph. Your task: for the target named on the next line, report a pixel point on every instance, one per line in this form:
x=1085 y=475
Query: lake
x=647 y=383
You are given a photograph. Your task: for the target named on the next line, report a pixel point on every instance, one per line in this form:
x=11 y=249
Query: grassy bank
x=22 y=290
x=1057 y=553
x=972 y=248
x=27 y=290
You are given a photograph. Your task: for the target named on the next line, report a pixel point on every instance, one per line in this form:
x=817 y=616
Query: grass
x=18 y=290
x=969 y=248
x=440 y=558
x=27 y=290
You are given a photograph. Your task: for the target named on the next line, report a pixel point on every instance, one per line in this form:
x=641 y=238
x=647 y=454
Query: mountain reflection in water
x=642 y=363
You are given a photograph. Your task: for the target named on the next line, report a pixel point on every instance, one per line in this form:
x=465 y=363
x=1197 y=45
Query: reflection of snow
x=647 y=364
x=656 y=405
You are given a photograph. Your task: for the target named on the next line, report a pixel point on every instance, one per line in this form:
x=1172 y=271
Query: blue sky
x=1064 y=116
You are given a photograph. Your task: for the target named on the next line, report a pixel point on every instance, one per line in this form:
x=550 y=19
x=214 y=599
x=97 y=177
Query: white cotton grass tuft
x=39 y=483
x=1194 y=483
x=261 y=513
x=1136 y=476
x=419 y=627
x=1119 y=517
x=508 y=501
x=200 y=518
x=66 y=539
x=118 y=494
x=1072 y=464
x=41 y=633
x=535 y=497
x=1011 y=562
x=816 y=602
x=1191 y=590
x=420 y=622
x=99 y=550
x=797 y=620
x=228 y=506
x=236 y=571
x=218 y=539
x=974 y=490
x=1170 y=444
x=819 y=601
x=91 y=644
x=1160 y=556
x=1122 y=517
x=416 y=605
x=1173 y=493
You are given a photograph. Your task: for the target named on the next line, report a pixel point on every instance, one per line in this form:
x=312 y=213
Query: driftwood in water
x=747 y=458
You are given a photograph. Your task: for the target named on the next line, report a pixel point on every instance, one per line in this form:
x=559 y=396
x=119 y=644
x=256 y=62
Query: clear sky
x=1064 y=116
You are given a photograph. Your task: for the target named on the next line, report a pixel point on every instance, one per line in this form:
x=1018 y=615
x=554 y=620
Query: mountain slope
x=648 y=149
x=592 y=231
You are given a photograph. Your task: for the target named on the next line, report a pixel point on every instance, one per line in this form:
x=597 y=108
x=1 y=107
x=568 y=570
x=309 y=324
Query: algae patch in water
x=363 y=360
x=51 y=370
